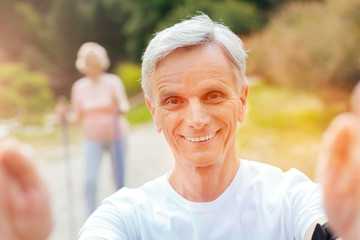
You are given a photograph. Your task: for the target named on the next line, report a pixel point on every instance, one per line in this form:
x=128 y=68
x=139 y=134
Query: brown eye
x=214 y=97
x=172 y=101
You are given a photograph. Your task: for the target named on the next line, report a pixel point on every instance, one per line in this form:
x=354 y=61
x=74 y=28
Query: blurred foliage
x=23 y=93
x=106 y=22
x=241 y=17
x=304 y=42
x=130 y=74
x=47 y=34
x=144 y=15
x=310 y=45
x=283 y=126
x=139 y=114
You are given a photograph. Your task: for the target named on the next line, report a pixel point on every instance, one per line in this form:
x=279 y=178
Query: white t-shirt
x=262 y=202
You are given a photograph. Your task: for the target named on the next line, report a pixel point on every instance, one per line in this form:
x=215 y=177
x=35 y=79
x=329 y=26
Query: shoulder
x=118 y=215
x=290 y=192
x=81 y=83
x=257 y=171
x=111 y=78
x=265 y=171
x=263 y=182
x=129 y=198
x=95 y=238
x=258 y=166
x=270 y=179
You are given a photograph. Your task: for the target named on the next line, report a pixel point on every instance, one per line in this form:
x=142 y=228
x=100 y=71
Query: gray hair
x=98 y=50
x=199 y=30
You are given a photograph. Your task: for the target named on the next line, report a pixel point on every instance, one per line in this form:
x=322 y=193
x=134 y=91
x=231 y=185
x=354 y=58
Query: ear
x=243 y=101
x=152 y=111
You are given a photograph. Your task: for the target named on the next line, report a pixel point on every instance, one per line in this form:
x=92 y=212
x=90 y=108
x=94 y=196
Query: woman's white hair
x=199 y=30
x=95 y=48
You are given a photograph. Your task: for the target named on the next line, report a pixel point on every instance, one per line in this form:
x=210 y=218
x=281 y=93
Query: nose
x=197 y=116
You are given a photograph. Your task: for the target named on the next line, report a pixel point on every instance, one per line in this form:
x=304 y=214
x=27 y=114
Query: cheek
x=228 y=113
x=168 y=120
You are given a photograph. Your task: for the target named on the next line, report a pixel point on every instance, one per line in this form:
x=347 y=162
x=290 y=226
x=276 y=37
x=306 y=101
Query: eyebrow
x=170 y=92
x=165 y=93
x=218 y=87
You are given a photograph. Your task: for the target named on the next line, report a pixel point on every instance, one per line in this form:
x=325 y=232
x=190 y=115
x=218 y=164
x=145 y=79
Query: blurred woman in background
x=99 y=103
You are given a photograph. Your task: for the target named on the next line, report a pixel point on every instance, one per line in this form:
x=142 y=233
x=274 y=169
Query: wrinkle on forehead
x=186 y=65
x=188 y=88
x=213 y=50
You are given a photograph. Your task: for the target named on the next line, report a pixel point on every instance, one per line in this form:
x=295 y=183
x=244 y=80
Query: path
x=148 y=157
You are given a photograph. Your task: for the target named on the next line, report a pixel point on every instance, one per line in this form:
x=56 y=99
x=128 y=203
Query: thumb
x=355 y=100
x=15 y=157
x=339 y=142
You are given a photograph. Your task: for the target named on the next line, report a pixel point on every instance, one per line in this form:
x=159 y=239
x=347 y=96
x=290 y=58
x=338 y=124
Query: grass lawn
x=139 y=114
x=284 y=127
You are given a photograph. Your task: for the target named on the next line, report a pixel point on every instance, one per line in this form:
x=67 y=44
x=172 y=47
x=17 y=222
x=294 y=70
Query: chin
x=203 y=160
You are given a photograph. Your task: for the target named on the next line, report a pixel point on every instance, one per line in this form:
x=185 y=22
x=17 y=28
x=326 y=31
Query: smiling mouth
x=200 y=139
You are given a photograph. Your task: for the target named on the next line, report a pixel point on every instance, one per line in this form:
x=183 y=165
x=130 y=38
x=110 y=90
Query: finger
x=339 y=145
x=15 y=158
x=5 y=224
x=355 y=100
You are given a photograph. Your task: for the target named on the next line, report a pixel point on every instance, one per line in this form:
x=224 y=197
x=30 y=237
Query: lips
x=200 y=138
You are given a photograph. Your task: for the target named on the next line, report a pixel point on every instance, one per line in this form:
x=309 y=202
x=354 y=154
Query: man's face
x=196 y=104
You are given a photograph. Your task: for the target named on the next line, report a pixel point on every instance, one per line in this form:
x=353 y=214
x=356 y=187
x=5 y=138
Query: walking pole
x=68 y=172
x=119 y=154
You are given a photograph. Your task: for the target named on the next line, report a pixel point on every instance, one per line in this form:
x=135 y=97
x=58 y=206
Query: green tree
x=20 y=25
x=310 y=45
x=241 y=17
x=68 y=29
x=144 y=16
x=131 y=75
x=23 y=93
x=107 y=21
x=46 y=34
x=41 y=6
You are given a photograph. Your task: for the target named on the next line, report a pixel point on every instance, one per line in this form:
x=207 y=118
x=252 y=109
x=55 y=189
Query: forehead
x=91 y=54
x=189 y=67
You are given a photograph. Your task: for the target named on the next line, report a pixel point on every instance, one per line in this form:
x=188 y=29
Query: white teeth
x=200 y=139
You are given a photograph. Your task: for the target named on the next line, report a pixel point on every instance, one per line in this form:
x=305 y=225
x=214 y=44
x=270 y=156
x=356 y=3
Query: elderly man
x=195 y=87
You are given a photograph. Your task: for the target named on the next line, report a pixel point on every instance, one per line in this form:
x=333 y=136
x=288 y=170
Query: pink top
x=96 y=103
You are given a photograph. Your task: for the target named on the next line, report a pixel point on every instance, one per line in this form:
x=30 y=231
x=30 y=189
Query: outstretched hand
x=24 y=200
x=339 y=171
x=62 y=107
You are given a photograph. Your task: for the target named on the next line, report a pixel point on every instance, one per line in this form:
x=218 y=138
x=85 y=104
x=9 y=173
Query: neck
x=203 y=184
x=94 y=77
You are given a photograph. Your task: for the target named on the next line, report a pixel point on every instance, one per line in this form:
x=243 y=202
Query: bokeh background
x=304 y=59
